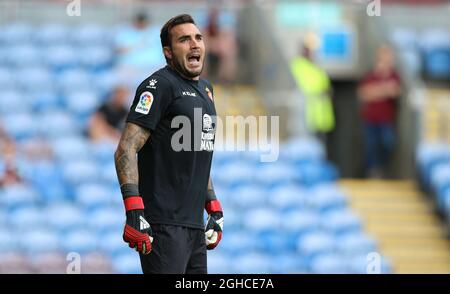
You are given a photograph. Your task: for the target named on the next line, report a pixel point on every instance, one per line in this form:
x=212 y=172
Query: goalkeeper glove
x=214 y=225
x=137 y=232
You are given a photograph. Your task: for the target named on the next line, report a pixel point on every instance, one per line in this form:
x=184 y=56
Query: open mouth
x=192 y=58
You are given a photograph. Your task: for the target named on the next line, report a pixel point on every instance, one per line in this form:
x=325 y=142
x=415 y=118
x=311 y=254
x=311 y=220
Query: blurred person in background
x=379 y=91
x=107 y=122
x=222 y=50
x=9 y=174
x=137 y=49
x=315 y=84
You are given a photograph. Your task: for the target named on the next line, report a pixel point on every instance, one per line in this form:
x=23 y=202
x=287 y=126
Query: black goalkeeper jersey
x=174 y=164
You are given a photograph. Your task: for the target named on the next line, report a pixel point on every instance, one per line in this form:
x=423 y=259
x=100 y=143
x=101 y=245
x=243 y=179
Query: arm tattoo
x=132 y=140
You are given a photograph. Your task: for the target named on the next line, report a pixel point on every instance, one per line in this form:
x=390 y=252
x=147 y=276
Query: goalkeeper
x=165 y=190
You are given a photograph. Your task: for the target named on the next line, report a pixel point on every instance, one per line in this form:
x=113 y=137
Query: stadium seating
x=289 y=216
x=433 y=166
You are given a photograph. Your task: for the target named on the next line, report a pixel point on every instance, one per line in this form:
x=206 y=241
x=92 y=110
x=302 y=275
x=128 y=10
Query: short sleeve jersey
x=174 y=164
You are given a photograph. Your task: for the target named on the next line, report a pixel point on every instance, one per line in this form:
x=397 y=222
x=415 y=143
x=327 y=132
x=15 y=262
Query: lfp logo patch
x=145 y=102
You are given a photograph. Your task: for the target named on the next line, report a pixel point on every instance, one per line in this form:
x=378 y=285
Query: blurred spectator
x=108 y=120
x=37 y=149
x=222 y=50
x=138 y=49
x=378 y=91
x=314 y=83
x=8 y=174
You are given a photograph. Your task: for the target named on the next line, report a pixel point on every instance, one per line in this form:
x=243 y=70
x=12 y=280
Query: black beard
x=183 y=71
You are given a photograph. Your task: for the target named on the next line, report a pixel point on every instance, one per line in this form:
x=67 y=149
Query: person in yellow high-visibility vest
x=316 y=87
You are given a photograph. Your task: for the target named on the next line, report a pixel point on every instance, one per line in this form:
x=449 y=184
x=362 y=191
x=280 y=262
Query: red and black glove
x=137 y=232
x=214 y=225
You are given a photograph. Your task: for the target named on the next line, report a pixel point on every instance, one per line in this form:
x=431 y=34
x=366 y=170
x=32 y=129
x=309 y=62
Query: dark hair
x=167 y=27
x=141 y=17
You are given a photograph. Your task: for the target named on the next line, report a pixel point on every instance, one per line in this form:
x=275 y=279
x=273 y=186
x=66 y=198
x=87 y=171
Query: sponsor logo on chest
x=187 y=93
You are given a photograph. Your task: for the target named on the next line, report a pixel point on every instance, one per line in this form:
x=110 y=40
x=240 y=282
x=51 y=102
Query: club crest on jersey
x=210 y=95
x=145 y=102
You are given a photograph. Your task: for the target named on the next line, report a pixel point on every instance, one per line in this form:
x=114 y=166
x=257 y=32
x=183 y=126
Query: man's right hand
x=137 y=232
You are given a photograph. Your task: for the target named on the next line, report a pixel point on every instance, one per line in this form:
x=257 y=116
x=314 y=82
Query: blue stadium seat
x=22 y=218
x=84 y=195
x=315 y=243
x=82 y=104
x=112 y=242
x=440 y=182
x=7 y=239
x=61 y=57
x=341 y=221
x=435 y=44
x=219 y=263
x=287 y=197
x=427 y=156
x=64 y=217
x=262 y=220
x=355 y=243
x=24 y=55
x=17 y=196
x=326 y=197
x=71 y=148
x=58 y=125
x=20 y=126
x=222 y=158
x=328 y=264
x=74 y=80
x=80 y=241
x=79 y=172
x=45 y=100
x=252 y=263
x=274 y=174
x=16 y=33
x=91 y=34
x=301 y=222
x=6 y=76
x=96 y=58
x=11 y=99
x=247 y=196
x=237 y=242
x=108 y=173
x=437 y=63
x=52 y=34
x=39 y=79
x=127 y=263
x=302 y=149
x=105 y=81
x=107 y=218
x=275 y=241
x=288 y=263
x=234 y=174
x=38 y=240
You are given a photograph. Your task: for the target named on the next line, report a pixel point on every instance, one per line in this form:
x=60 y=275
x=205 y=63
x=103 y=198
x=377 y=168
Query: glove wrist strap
x=133 y=203
x=213 y=206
